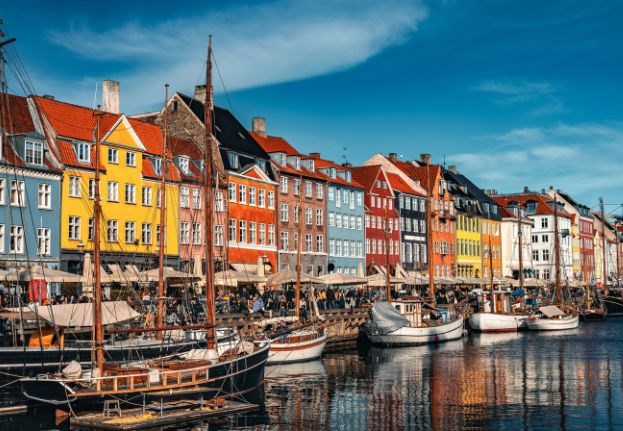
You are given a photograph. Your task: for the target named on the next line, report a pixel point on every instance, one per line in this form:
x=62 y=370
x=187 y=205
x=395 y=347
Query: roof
x=427 y=176
x=366 y=175
x=275 y=144
x=187 y=148
x=464 y=186
x=542 y=201
x=18 y=120
x=400 y=185
x=324 y=164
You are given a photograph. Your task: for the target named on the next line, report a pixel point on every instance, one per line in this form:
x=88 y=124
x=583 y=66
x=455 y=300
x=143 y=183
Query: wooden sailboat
x=559 y=316
x=409 y=321
x=200 y=372
x=303 y=343
x=594 y=308
x=502 y=317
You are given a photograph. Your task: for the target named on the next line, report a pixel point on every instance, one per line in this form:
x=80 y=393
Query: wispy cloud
x=254 y=45
x=539 y=97
x=584 y=159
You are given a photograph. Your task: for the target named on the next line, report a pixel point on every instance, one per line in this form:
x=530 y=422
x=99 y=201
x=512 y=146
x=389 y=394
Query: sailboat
x=502 y=317
x=200 y=372
x=595 y=308
x=409 y=321
x=555 y=317
x=303 y=342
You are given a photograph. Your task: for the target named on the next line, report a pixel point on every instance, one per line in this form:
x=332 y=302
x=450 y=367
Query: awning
x=381 y=280
x=81 y=314
x=37 y=272
x=287 y=276
x=234 y=278
x=551 y=311
x=339 y=279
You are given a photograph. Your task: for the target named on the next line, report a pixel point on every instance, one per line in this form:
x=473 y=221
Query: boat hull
x=492 y=322
x=614 y=305
x=554 y=324
x=299 y=351
x=226 y=379
x=412 y=336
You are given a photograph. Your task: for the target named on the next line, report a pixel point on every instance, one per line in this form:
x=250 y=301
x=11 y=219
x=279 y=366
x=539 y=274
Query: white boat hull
x=413 y=336
x=296 y=351
x=492 y=322
x=537 y=323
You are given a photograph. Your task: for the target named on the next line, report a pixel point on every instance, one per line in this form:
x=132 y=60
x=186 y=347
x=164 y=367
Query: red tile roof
x=17 y=119
x=400 y=185
x=425 y=175
x=324 y=164
x=366 y=175
x=187 y=148
x=542 y=207
x=275 y=144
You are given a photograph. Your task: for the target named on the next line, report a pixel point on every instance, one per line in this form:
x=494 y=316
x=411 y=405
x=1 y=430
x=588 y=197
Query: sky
x=513 y=92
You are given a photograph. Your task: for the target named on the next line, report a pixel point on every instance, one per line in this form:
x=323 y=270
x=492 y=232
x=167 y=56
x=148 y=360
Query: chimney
x=110 y=96
x=526 y=189
x=314 y=155
x=200 y=93
x=347 y=165
x=393 y=157
x=259 y=126
x=542 y=191
x=452 y=168
x=425 y=158
x=48 y=96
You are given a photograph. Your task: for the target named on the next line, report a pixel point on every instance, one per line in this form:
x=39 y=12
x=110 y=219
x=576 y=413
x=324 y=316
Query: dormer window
x=183 y=164
x=531 y=207
x=157 y=162
x=234 y=161
x=261 y=164
x=297 y=163
x=282 y=159
x=333 y=173
x=348 y=176
x=83 y=152
x=33 y=153
x=442 y=187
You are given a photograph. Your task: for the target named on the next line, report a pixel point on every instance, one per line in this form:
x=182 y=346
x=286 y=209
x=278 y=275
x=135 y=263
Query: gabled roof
x=399 y=185
x=187 y=148
x=542 y=202
x=324 y=164
x=275 y=144
x=17 y=119
x=302 y=171
x=425 y=175
x=366 y=175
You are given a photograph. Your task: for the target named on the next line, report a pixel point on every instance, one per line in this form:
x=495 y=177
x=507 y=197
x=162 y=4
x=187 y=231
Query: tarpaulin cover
x=385 y=319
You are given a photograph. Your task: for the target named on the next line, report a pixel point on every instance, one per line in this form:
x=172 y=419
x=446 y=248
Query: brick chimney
x=452 y=168
x=314 y=155
x=425 y=158
x=200 y=93
x=259 y=125
x=526 y=189
x=393 y=157
x=110 y=96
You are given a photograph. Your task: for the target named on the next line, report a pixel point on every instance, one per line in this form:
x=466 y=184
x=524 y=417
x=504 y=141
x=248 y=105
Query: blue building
x=345 y=215
x=30 y=180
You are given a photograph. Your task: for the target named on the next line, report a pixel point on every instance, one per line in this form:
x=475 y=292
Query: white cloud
x=541 y=96
x=584 y=159
x=254 y=45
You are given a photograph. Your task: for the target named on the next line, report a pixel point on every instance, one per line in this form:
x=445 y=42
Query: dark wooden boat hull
x=592 y=315
x=230 y=379
x=614 y=305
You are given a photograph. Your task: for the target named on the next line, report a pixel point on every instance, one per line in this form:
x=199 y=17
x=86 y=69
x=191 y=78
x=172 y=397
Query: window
x=338 y=198
x=184 y=232
x=231 y=187
x=183 y=164
x=158 y=235
x=242 y=193
x=535 y=238
x=331 y=192
x=33 y=153
x=113 y=191
x=2 y=187
x=184 y=197
x=112 y=231
x=297 y=209
x=91 y=229
x=546 y=274
x=352 y=222
x=359 y=199
x=297 y=186
x=74 y=187
x=261 y=198
x=308 y=242
x=545 y=238
x=233 y=225
x=283 y=184
x=196 y=233
x=308 y=216
x=262 y=239
x=252 y=232
x=113 y=155
x=130 y=193
x=43 y=241
x=74 y=228
x=359 y=249
x=359 y=223
x=146 y=233
x=271 y=199
x=319 y=217
x=130 y=159
x=284 y=212
x=91 y=188
x=271 y=234
x=220 y=201
x=130 y=233
x=146 y=196
x=331 y=219
x=45 y=195
x=218 y=235
x=242 y=232
x=545 y=255
x=346 y=197
x=368 y=245
x=319 y=244
x=283 y=245
x=367 y=221
x=544 y=222
x=233 y=159
x=1 y=238
x=319 y=191
x=157 y=162
x=338 y=248
x=17 y=239
x=331 y=247
x=308 y=189
x=83 y=152
x=197 y=200
x=252 y=196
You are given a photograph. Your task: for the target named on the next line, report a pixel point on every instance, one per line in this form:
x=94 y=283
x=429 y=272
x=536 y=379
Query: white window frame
x=146 y=233
x=184 y=197
x=130 y=158
x=83 y=152
x=112 y=231
x=130 y=193
x=34 y=154
x=113 y=156
x=196 y=233
x=45 y=196
x=74 y=228
x=130 y=232
x=74 y=187
x=16 y=242
x=146 y=196
x=113 y=191
x=184 y=232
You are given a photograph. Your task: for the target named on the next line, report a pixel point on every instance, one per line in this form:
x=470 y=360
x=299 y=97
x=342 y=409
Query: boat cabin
x=411 y=309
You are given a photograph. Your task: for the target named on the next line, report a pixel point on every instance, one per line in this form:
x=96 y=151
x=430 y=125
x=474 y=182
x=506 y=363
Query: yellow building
x=468 y=246
x=491 y=248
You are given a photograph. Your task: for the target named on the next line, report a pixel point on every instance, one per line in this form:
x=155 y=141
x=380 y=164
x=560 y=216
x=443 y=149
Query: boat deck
x=156 y=415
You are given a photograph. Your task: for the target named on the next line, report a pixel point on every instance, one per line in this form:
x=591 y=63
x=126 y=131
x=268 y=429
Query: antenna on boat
x=297 y=306
x=429 y=238
x=208 y=108
x=97 y=287
x=603 y=241
x=161 y=230
x=557 y=251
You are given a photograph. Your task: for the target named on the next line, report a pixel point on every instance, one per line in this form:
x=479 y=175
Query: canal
x=527 y=381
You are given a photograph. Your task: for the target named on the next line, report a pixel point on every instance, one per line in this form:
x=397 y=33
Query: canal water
x=570 y=380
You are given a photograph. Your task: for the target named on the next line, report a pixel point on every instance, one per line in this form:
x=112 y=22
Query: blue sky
x=513 y=92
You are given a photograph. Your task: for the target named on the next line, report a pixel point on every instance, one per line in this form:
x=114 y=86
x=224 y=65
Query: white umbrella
x=233 y=278
x=37 y=272
x=339 y=279
x=378 y=280
x=167 y=273
x=288 y=276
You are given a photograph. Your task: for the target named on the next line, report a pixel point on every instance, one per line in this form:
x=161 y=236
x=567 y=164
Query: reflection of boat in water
x=491 y=339
x=309 y=369
x=410 y=353
x=402 y=323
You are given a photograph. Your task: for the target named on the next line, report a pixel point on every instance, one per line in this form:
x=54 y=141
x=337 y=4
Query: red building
x=381 y=219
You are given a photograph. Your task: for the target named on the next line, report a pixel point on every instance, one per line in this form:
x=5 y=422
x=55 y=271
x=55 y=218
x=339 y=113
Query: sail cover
x=385 y=319
x=551 y=311
x=81 y=314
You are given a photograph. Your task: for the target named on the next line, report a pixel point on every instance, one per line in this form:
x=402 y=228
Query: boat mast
x=97 y=287
x=520 y=240
x=297 y=292
x=387 y=274
x=603 y=241
x=163 y=173
x=429 y=234
x=207 y=202
x=557 y=252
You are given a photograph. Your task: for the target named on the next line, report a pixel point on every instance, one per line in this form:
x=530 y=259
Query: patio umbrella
x=168 y=273
x=287 y=276
x=339 y=279
x=378 y=280
x=37 y=272
x=233 y=278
